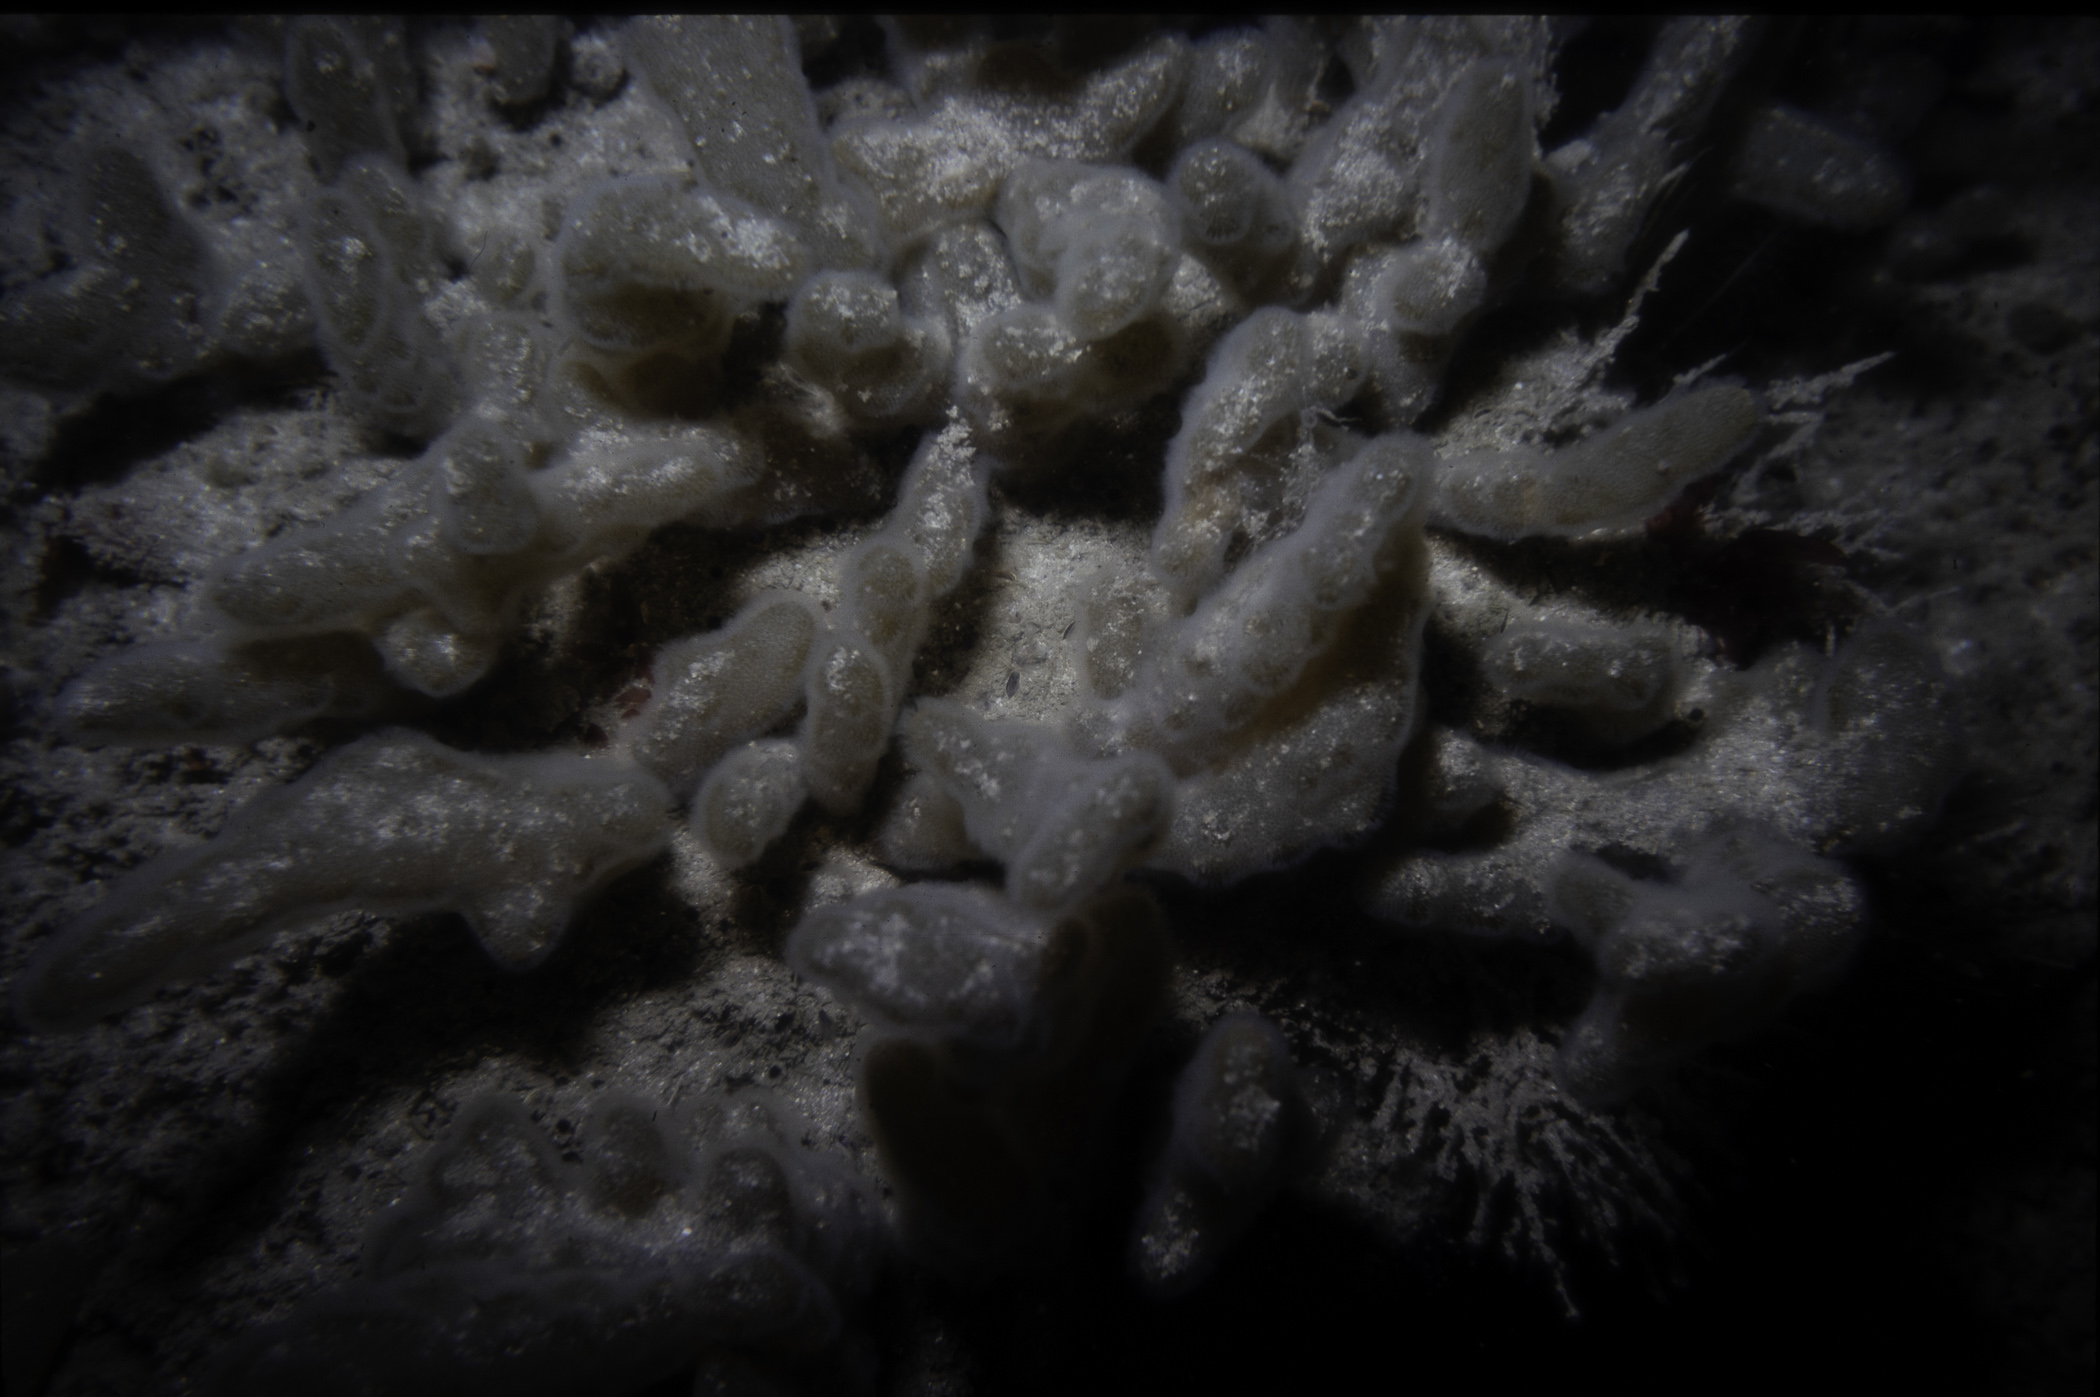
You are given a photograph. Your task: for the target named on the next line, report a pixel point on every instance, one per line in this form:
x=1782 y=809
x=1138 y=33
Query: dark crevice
x=1595 y=71
x=857 y=49
x=116 y=434
x=66 y=568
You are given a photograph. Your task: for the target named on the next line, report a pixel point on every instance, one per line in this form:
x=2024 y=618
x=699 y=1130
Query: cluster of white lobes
x=979 y=261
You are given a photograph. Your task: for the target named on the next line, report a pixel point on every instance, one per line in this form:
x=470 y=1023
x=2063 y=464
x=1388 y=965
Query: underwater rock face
x=507 y=1265
x=1026 y=648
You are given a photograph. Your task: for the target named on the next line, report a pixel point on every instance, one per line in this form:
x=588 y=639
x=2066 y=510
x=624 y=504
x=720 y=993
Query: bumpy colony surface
x=936 y=288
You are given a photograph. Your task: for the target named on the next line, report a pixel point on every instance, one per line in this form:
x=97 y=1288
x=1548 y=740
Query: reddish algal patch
x=633 y=696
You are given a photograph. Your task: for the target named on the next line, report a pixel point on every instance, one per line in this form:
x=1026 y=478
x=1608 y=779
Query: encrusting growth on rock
x=869 y=366
x=393 y=822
